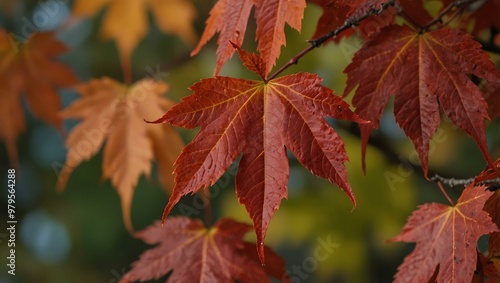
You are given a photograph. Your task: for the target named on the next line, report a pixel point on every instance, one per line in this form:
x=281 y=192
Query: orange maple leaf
x=446 y=236
x=230 y=18
x=114 y=113
x=126 y=21
x=423 y=71
x=196 y=254
x=259 y=119
x=29 y=68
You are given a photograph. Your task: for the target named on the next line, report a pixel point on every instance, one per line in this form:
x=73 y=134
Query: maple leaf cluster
x=428 y=63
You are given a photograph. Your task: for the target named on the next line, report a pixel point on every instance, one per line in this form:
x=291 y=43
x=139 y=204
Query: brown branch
x=452 y=182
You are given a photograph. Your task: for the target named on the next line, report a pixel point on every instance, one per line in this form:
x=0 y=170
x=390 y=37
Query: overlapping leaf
x=423 y=71
x=485 y=272
x=126 y=21
x=261 y=120
x=492 y=206
x=196 y=254
x=446 y=238
x=114 y=114
x=29 y=68
x=229 y=18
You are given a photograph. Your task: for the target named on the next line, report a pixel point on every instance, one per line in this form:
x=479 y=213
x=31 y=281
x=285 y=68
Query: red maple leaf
x=112 y=117
x=230 y=18
x=446 y=236
x=486 y=271
x=423 y=71
x=260 y=119
x=195 y=253
x=492 y=206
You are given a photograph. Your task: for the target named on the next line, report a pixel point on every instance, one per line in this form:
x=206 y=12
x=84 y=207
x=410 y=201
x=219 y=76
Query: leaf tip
x=160 y=120
x=260 y=251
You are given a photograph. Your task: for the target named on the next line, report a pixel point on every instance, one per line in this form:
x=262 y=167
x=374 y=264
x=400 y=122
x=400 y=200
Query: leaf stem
x=445 y=194
x=350 y=22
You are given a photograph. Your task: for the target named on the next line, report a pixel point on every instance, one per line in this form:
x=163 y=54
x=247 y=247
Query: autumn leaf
x=446 y=238
x=126 y=21
x=414 y=9
x=423 y=71
x=229 y=19
x=492 y=206
x=261 y=120
x=486 y=271
x=114 y=114
x=491 y=92
x=195 y=253
x=30 y=68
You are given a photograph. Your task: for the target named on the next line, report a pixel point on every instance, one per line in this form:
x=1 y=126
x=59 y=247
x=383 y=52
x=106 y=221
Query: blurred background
x=79 y=236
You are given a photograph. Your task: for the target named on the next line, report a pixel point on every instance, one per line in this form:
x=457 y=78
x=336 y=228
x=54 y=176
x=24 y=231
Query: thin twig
x=350 y=22
x=446 y=10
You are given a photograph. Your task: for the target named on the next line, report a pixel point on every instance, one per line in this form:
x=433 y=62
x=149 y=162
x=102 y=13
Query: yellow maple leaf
x=126 y=20
x=113 y=113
